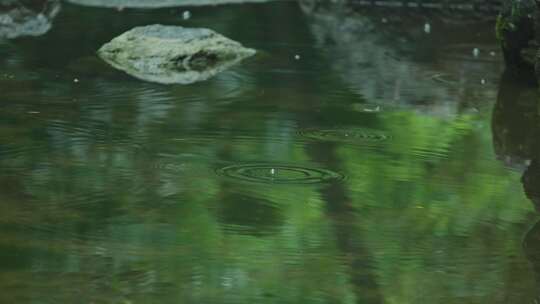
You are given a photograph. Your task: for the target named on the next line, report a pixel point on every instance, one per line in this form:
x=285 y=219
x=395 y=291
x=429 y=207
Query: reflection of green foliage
x=131 y=210
x=421 y=215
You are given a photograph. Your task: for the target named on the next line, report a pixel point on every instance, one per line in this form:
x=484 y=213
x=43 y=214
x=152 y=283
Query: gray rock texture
x=173 y=54
x=157 y=3
x=19 y=19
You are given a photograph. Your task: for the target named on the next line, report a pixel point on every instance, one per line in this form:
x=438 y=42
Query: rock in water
x=19 y=18
x=157 y=3
x=173 y=54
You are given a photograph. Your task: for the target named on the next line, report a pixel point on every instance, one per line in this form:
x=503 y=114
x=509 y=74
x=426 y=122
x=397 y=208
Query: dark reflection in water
x=246 y=214
x=516 y=127
x=342 y=215
x=113 y=190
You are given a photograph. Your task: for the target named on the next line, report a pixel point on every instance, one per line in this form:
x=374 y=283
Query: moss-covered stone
x=173 y=54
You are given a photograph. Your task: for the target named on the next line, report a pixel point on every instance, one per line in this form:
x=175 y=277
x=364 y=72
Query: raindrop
x=476 y=52
x=297 y=57
x=186 y=15
x=279 y=174
x=427 y=28
x=76 y=80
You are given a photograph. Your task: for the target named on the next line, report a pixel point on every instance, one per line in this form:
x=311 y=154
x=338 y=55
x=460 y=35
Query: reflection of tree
x=385 y=61
x=111 y=188
x=516 y=126
x=246 y=213
x=344 y=220
x=515 y=118
x=26 y=18
x=531 y=246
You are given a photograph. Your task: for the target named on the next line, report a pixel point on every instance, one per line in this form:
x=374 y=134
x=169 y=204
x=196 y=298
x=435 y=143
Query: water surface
x=356 y=159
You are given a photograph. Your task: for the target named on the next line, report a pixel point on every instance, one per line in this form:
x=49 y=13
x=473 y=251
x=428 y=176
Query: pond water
x=376 y=156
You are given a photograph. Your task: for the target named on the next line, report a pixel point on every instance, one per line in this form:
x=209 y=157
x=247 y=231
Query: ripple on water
x=16 y=151
x=473 y=52
x=90 y=132
x=353 y=135
x=444 y=78
x=279 y=174
x=249 y=214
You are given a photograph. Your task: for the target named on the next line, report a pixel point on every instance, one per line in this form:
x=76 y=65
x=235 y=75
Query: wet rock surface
x=173 y=54
x=26 y=18
x=158 y=3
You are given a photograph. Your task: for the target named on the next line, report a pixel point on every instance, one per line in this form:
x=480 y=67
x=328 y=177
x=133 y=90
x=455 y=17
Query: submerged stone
x=20 y=18
x=173 y=54
x=157 y=3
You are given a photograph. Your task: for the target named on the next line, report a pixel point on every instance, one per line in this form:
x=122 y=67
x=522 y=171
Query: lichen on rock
x=173 y=54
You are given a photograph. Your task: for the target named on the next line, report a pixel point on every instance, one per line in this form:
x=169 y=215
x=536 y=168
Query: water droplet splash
x=186 y=15
x=279 y=174
x=427 y=28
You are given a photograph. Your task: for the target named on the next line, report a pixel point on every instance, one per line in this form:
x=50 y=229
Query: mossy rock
x=173 y=54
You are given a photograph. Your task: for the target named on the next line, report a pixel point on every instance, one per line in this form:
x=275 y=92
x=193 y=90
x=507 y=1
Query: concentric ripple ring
x=345 y=135
x=279 y=174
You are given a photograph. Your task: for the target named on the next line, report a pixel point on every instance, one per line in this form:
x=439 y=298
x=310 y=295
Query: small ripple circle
x=345 y=135
x=279 y=174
